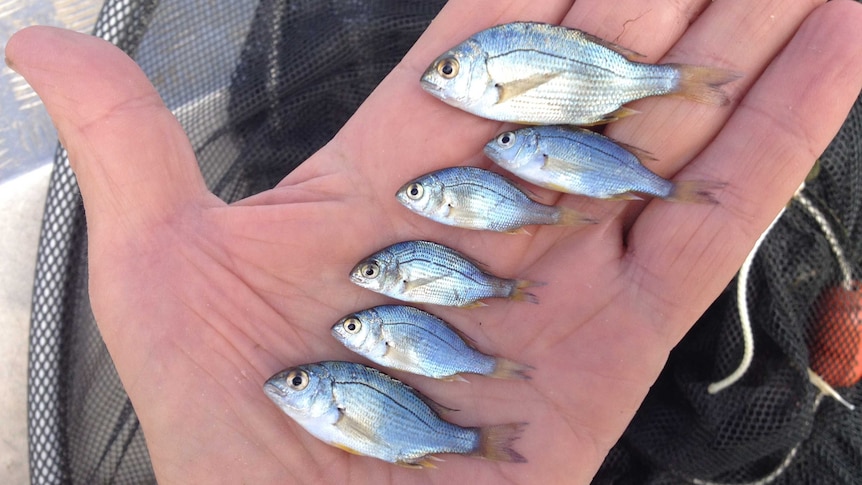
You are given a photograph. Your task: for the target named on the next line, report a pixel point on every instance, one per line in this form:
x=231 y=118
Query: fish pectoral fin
x=356 y=429
x=555 y=164
x=413 y=284
x=509 y=90
x=397 y=355
x=624 y=51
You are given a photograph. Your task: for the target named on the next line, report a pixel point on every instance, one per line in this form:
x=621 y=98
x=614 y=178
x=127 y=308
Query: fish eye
x=506 y=139
x=352 y=325
x=297 y=379
x=415 y=191
x=370 y=270
x=448 y=67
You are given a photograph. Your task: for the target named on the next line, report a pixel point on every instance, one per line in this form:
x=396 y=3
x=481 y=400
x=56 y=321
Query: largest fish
x=535 y=73
x=366 y=412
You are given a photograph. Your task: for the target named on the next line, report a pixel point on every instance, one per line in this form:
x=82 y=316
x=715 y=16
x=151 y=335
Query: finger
x=730 y=35
x=132 y=160
x=682 y=256
x=649 y=28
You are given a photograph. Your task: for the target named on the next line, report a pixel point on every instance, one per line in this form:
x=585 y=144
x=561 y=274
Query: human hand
x=199 y=302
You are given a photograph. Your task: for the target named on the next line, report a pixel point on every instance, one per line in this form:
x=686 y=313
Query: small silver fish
x=409 y=339
x=365 y=412
x=427 y=272
x=578 y=161
x=534 y=73
x=473 y=198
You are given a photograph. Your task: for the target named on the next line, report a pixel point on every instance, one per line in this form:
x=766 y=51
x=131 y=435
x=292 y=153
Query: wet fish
x=535 y=73
x=578 y=161
x=365 y=412
x=409 y=339
x=473 y=198
x=427 y=272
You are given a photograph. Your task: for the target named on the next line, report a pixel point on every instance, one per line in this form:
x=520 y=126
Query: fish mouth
x=431 y=87
x=273 y=390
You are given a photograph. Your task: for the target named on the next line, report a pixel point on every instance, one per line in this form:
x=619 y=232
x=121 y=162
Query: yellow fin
x=702 y=84
x=696 y=191
x=620 y=113
x=509 y=369
x=626 y=196
x=518 y=87
x=347 y=449
x=519 y=293
x=424 y=462
x=495 y=442
x=519 y=231
x=624 y=51
x=572 y=217
x=475 y=304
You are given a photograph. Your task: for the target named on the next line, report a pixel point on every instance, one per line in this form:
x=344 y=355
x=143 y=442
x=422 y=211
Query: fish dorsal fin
x=641 y=155
x=509 y=90
x=434 y=405
x=625 y=52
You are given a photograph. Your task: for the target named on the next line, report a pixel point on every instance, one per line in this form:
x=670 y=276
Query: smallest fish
x=473 y=198
x=578 y=161
x=406 y=338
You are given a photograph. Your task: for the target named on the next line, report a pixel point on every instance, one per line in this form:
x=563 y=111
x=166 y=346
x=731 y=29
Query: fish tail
x=702 y=84
x=571 y=217
x=509 y=369
x=495 y=442
x=696 y=191
x=519 y=292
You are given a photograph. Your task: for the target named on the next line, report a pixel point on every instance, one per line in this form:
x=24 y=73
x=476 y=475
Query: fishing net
x=258 y=86
x=803 y=303
x=261 y=85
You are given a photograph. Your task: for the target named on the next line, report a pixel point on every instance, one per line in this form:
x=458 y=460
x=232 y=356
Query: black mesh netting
x=260 y=85
x=805 y=310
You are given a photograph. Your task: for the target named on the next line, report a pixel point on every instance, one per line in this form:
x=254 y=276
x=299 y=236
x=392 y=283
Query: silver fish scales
x=365 y=412
x=535 y=73
x=409 y=339
x=474 y=198
x=428 y=272
x=579 y=161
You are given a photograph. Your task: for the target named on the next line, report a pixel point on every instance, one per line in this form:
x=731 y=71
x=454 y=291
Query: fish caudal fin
x=495 y=442
x=509 y=369
x=695 y=191
x=571 y=217
x=702 y=84
x=519 y=292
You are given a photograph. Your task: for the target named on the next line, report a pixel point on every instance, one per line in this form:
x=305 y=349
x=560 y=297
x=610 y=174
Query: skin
x=200 y=302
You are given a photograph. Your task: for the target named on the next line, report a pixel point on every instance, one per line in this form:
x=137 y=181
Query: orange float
x=837 y=348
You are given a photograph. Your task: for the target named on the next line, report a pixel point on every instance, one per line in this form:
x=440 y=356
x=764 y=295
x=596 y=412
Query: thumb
x=134 y=164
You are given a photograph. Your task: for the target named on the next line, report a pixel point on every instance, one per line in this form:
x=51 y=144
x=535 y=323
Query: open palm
x=199 y=302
